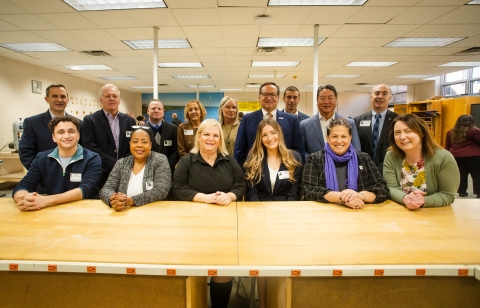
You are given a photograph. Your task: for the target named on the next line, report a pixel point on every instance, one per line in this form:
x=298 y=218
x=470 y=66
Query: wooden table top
x=84 y=231
x=316 y=234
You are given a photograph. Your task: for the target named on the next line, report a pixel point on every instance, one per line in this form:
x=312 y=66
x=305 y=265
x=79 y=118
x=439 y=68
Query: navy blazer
x=313 y=136
x=302 y=116
x=96 y=135
x=36 y=138
x=248 y=129
x=284 y=190
x=365 y=135
x=168 y=143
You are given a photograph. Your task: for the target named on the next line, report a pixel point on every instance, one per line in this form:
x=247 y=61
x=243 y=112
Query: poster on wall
x=175 y=103
x=247 y=107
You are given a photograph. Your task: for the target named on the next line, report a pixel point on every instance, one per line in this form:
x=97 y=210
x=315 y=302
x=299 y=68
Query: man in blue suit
x=291 y=98
x=314 y=128
x=268 y=95
x=36 y=136
x=107 y=131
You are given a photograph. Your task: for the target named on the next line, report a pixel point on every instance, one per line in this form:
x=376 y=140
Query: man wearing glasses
x=291 y=98
x=314 y=129
x=268 y=96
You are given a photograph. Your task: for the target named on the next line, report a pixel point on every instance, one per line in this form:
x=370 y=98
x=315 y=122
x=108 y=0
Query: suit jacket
x=248 y=129
x=313 y=136
x=97 y=136
x=302 y=116
x=168 y=143
x=283 y=190
x=36 y=138
x=365 y=135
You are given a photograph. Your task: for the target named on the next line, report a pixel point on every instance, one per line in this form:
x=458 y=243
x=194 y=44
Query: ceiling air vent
x=468 y=52
x=97 y=53
x=361 y=83
x=163 y=85
x=269 y=50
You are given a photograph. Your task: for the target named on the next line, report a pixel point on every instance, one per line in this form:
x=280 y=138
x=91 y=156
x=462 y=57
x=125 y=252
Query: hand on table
x=351 y=198
x=120 y=201
x=414 y=200
x=32 y=202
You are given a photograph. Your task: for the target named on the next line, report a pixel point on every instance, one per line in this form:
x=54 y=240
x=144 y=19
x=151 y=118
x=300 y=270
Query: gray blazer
x=157 y=170
x=313 y=136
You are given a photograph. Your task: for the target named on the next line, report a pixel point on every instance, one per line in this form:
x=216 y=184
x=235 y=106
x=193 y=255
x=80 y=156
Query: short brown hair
x=55 y=85
x=200 y=106
x=339 y=122
x=419 y=127
x=54 y=122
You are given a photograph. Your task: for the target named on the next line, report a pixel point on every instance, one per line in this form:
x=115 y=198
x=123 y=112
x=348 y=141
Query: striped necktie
x=375 y=134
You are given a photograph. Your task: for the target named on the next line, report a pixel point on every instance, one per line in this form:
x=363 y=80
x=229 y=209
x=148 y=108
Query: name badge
x=149 y=185
x=167 y=143
x=360 y=167
x=188 y=132
x=128 y=133
x=365 y=123
x=282 y=175
x=75 y=177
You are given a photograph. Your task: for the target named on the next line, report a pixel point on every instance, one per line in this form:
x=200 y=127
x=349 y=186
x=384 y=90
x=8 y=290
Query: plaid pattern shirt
x=315 y=184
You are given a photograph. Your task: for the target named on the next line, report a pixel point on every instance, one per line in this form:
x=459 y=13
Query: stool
x=252 y=290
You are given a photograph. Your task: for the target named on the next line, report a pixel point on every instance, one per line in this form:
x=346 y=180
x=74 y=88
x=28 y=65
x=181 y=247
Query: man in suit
x=314 y=129
x=37 y=137
x=164 y=134
x=291 y=98
x=107 y=131
x=376 y=123
x=176 y=120
x=268 y=96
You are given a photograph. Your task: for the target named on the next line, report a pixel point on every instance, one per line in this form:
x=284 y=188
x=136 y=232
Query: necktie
x=269 y=114
x=375 y=134
x=157 y=135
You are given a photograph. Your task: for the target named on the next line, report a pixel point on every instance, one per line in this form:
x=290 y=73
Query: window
x=461 y=82
x=475 y=87
x=454 y=89
x=476 y=72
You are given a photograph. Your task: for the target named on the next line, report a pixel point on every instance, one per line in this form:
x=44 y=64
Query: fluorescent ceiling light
x=287 y=41
x=265 y=76
x=202 y=86
x=99 y=5
x=119 y=78
x=181 y=64
x=162 y=44
x=315 y=2
x=224 y=90
x=474 y=2
x=341 y=76
x=191 y=76
x=415 y=76
x=423 y=41
x=371 y=64
x=142 y=87
x=88 y=67
x=252 y=85
x=461 y=64
x=275 y=63
x=34 y=47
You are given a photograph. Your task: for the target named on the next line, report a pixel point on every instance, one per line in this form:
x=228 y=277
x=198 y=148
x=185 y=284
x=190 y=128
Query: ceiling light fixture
x=88 y=67
x=119 y=78
x=191 y=77
x=225 y=90
x=34 y=47
x=314 y=2
x=275 y=63
x=203 y=86
x=341 y=76
x=415 y=76
x=180 y=64
x=265 y=76
x=423 y=41
x=287 y=41
x=162 y=44
x=461 y=64
x=100 y=5
x=371 y=64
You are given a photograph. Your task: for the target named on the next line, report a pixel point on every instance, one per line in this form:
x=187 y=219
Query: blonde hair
x=222 y=149
x=253 y=165
x=223 y=102
x=203 y=112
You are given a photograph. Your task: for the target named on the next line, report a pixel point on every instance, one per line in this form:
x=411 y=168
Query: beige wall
x=18 y=101
x=422 y=91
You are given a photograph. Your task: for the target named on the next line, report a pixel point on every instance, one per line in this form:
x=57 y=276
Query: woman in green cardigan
x=418 y=172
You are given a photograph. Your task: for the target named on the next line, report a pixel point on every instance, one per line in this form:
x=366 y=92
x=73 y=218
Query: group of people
x=270 y=155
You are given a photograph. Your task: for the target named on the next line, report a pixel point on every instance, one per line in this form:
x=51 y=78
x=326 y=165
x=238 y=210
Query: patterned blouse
x=413 y=177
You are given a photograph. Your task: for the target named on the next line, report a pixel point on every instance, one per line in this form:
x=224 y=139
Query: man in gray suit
x=314 y=129
x=291 y=98
x=376 y=123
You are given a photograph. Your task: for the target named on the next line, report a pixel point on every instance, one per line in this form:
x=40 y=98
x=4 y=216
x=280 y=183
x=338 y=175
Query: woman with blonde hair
x=418 y=172
x=463 y=141
x=228 y=118
x=272 y=171
x=194 y=113
x=208 y=174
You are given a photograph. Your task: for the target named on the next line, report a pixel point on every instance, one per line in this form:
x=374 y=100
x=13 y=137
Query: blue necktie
x=157 y=135
x=375 y=134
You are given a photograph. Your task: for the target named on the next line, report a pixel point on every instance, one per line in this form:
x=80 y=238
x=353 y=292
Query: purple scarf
x=352 y=167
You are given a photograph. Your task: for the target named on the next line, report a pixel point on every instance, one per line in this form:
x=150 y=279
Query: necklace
x=228 y=134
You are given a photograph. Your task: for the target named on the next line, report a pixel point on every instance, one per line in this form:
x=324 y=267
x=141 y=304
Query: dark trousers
x=469 y=165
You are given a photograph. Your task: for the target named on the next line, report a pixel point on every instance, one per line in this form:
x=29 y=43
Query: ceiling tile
x=239 y=16
x=358 y=51
x=24 y=37
x=330 y=15
x=202 y=31
x=464 y=31
x=419 y=15
x=357 y=30
x=372 y=42
x=248 y=3
x=180 y=4
x=196 y=17
x=5 y=26
x=209 y=51
x=461 y=15
x=57 y=36
x=432 y=31
x=29 y=22
x=110 y=19
x=301 y=51
x=182 y=52
x=281 y=30
x=239 y=51
x=103 y=45
x=284 y=16
x=93 y=35
x=44 y=6
x=442 y=2
x=375 y=15
x=60 y=55
x=323 y=30
x=391 y=3
x=130 y=33
x=152 y=17
x=68 y=21
x=409 y=51
x=240 y=31
x=10 y=8
x=393 y=31
x=339 y=42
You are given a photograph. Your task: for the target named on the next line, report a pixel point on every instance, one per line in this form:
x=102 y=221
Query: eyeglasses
x=140 y=127
x=272 y=95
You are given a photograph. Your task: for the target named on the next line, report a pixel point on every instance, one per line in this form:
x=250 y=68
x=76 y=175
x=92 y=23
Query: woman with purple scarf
x=339 y=174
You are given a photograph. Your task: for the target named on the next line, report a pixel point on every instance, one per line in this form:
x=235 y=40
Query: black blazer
x=36 y=138
x=97 y=136
x=168 y=143
x=365 y=135
x=283 y=190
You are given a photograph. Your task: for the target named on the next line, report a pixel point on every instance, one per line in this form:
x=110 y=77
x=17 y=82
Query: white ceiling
x=223 y=35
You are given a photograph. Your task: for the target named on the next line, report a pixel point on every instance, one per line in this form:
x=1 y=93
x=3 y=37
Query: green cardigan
x=441 y=174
